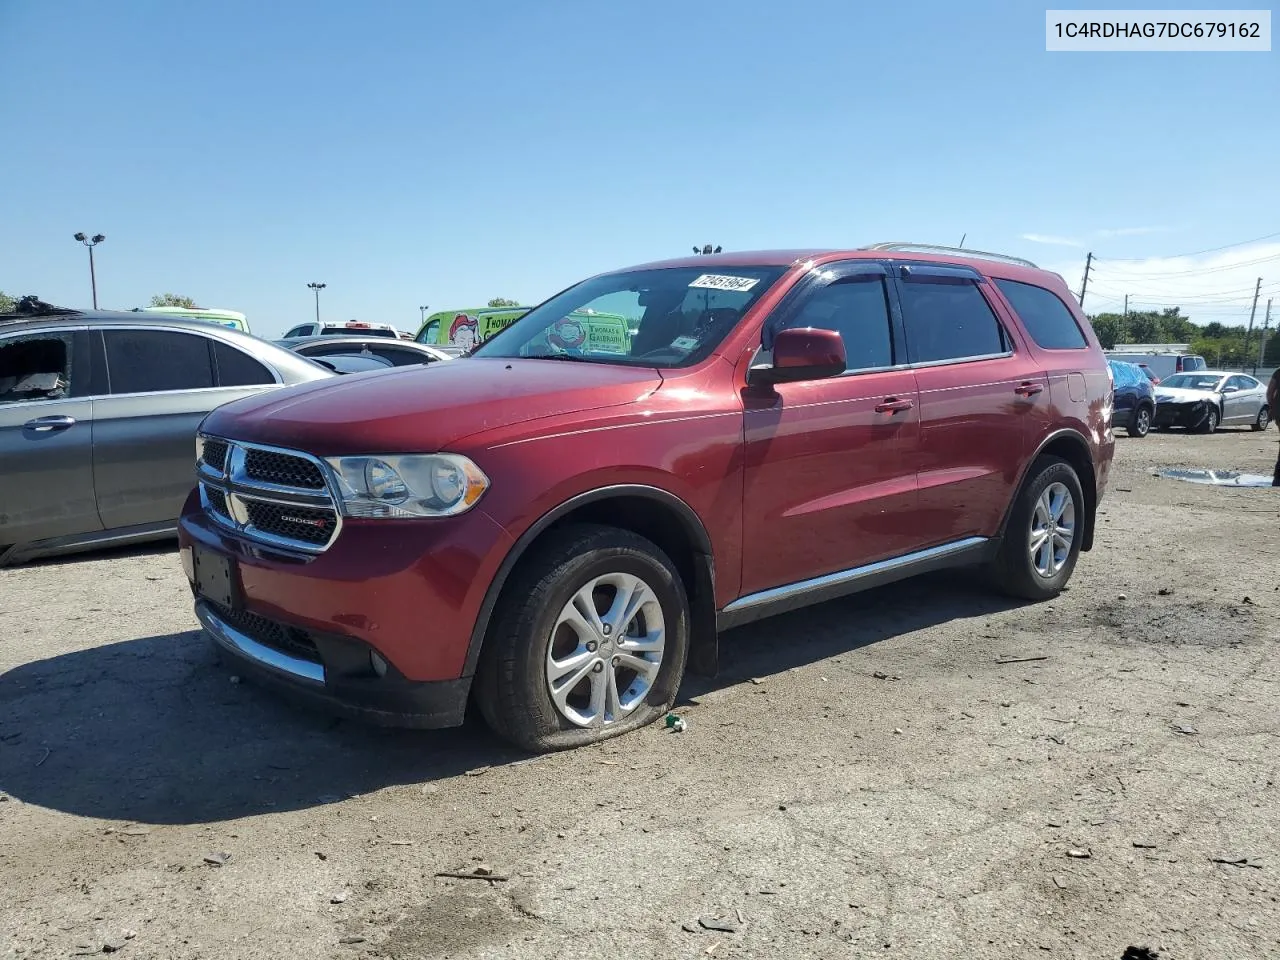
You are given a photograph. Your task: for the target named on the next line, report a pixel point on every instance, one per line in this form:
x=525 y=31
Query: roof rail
x=950 y=251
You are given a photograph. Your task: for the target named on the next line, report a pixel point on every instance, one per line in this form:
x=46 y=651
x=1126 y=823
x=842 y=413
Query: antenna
x=962 y=240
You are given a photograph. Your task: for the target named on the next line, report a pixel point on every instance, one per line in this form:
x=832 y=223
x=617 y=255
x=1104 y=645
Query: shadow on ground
x=153 y=730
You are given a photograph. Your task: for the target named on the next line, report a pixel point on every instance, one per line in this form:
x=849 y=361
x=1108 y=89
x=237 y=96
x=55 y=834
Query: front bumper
x=1188 y=415
x=408 y=592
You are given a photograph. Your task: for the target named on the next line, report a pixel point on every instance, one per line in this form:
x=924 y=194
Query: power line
x=1195 y=271
x=1194 y=253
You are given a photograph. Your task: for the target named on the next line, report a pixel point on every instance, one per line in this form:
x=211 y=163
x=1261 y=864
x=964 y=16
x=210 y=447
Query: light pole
x=317 y=287
x=92 y=242
x=707 y=250
x=422 y=314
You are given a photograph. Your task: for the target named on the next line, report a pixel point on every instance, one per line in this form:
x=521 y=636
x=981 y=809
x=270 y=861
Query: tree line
x=1219 y=344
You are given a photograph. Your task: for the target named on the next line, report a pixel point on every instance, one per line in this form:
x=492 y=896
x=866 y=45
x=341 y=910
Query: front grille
x=215 y=455
x=217 y=500
x=290 y=640
x=283 y=469
x=308 y=524
x=273 y=496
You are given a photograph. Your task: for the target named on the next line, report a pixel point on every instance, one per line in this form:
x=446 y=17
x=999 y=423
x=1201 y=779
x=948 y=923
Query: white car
x=1208 y=399
x=350 y=328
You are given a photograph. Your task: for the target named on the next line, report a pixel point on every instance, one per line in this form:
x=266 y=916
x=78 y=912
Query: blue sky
x=410 y=153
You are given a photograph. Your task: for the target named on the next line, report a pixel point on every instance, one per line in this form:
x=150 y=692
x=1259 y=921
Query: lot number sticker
x=712 y=281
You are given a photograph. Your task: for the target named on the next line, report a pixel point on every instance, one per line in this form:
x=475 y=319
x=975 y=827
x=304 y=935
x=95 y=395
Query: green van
x=227 y=318
x=587 y=330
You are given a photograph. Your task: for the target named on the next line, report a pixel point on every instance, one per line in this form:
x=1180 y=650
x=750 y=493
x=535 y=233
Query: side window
x=36 y=367
x=430 y=332
x=237 y=369
x=149 y=361
x=857 y=308
x=1238 y=383
x=1046 y=318
x=402 y=358
x=949 y=321
x=295 y=332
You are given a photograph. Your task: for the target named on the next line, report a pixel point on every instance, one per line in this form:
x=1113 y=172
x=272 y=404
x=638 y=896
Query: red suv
x=557 y=525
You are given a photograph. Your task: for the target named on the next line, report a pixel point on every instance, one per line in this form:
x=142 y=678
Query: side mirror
x=803 y=353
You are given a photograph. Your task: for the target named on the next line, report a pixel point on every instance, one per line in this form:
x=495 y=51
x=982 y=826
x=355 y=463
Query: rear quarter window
x=1047 y=320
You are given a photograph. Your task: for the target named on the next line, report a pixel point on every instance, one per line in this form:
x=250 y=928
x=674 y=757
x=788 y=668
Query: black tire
x=1264 y=418
x=1140 y=423
x=1012 y=570
x=511 y=684
x=1211 y=420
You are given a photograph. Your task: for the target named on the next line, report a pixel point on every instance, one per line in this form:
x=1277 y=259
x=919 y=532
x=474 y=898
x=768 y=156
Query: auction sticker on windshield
x=712 y=281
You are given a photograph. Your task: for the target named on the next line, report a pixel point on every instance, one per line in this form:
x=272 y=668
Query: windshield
x=1192 y=381
x=668 y=317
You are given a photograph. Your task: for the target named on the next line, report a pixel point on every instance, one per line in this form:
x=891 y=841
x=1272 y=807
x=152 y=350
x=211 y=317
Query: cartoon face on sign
x=464 y=331
x=568 y=333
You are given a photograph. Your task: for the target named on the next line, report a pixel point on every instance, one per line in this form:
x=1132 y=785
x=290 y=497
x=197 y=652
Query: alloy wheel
x=605 y=650
x=1053 y=527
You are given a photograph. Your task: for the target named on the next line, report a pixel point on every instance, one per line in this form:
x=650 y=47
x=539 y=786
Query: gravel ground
x=925 y=771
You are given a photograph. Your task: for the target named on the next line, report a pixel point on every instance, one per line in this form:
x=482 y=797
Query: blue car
x=1133 y=404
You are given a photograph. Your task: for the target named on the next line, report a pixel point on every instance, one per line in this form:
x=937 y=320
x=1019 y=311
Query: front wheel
x=1042 y=540
x=1264 y=418
x=1211 y=420
x=589 y=642
x=1140 y=425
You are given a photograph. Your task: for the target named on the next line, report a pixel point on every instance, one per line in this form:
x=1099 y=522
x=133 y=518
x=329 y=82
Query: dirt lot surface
x=868 y=778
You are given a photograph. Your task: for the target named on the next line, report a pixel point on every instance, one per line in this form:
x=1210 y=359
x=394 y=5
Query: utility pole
x=1084 y=284
x=317 y=287
x=1252 y=313
x=1262 y=347
x=1126 y=305
x=92 y=242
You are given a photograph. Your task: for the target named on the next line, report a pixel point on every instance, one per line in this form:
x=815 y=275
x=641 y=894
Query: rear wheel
x=1140 y=425
x=1042 y=540
x=589 y=642
x=1264 y=418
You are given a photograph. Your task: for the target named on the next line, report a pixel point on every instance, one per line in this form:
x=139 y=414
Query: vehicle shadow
x=154 y=731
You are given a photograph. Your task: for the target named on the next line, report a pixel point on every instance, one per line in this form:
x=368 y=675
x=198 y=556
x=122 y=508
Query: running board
x=792 y=596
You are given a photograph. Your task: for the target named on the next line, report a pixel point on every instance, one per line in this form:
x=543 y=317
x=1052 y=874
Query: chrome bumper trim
x=231 y=638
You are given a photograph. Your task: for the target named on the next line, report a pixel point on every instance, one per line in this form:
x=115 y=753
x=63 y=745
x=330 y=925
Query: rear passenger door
x=1241 y=402
x=979 y=391
x=162 y=383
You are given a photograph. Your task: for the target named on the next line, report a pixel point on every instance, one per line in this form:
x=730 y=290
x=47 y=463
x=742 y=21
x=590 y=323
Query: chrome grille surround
x=299 y=518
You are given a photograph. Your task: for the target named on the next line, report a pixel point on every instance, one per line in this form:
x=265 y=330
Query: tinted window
x=34 y=368
x=402 y=358
x=146 y=361
x=1193 y=363
x=857 y=309
x=297 y=332
x=237 y=369
x=949 y=321
x=1046 y=318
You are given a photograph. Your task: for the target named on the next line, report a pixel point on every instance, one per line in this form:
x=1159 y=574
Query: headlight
x=413 y=485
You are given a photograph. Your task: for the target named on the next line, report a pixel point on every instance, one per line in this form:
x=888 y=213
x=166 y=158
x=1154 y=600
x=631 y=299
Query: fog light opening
x=379 y=665
x=188 y=563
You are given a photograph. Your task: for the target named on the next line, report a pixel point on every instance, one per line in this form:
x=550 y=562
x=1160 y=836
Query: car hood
x=1182 y=395
x=425 y=409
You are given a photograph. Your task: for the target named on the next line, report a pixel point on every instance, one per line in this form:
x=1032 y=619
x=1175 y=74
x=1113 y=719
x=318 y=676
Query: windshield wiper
x=560 y=356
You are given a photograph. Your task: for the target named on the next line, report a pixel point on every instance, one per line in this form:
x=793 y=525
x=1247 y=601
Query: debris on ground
x=881 y=675
x=1165 y=591
x=478 y=872
x=1185 y=729
x=1235 y=862
x=340 y=897
x=1079 y=854
x=676 y=723
x=1001 y=663
x=217 y=859
x=718 y=924
x=1139 y=953
x=351 y=940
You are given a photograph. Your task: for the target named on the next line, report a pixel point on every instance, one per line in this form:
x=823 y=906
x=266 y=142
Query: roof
x=991 y=264
x=64 y=317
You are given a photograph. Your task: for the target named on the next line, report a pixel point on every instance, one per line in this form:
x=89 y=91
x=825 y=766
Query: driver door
x=1239 y=405
x=830 y=478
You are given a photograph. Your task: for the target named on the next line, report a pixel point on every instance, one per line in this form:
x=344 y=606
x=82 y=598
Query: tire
x=535 y=632
x=1015 y=569
x=1140 y=424
x=1210 y=422
x=1264 y=418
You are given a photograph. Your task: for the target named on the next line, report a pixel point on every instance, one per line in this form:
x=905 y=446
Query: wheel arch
x=1072 y=447
x=651 y=512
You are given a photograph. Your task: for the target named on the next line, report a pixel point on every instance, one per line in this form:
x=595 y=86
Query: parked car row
x=1202 y=401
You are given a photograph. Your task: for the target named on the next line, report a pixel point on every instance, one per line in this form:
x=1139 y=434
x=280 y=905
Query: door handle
x=1028 y=389
x=894 y=405
x=45 y=424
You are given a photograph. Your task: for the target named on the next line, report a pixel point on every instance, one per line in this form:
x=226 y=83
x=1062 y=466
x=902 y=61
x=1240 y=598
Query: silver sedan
x=98 y=418
x=1207 y=399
